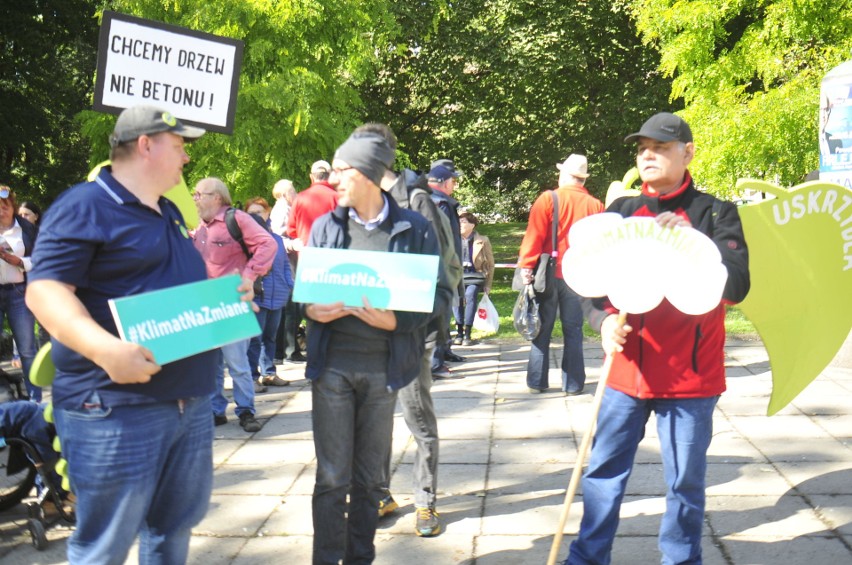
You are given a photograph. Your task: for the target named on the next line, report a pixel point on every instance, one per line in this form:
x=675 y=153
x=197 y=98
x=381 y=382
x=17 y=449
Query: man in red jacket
x=316 y=200
x=574 y=203
x=665 y=362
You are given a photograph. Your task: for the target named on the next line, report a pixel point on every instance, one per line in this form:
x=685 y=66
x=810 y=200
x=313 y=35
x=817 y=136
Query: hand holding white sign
x=637 y=262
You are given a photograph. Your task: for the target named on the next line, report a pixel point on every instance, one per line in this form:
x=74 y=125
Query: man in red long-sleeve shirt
x=575 y=203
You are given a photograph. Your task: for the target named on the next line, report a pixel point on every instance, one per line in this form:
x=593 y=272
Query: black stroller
x=28 y=458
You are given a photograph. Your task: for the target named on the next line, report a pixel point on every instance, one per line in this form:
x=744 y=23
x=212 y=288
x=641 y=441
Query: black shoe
x=249 y=423
x=219 y=419
x=452 y=357
x=296 y=358
x=574 y=392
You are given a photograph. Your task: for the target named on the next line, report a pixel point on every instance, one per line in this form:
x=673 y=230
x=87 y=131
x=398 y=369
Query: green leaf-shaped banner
x=800 y=258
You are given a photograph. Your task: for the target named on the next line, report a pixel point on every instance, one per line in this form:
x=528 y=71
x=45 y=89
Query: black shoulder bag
x=545 y=269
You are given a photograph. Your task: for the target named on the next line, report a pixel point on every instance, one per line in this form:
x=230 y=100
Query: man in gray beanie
x=358 y=358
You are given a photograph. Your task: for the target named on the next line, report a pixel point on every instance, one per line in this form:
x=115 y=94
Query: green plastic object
x=43 y=369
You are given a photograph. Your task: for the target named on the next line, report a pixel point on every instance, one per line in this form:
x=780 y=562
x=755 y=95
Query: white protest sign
x=193 y=75
x=637 y=263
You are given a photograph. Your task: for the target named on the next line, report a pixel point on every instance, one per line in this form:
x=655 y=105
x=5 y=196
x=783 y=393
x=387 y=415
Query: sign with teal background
x=184 y=320
x=390 y=281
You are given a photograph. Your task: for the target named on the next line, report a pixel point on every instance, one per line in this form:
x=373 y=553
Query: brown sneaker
x=273 y=380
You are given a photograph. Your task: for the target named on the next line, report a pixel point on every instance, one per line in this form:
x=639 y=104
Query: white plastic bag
x=486 y=319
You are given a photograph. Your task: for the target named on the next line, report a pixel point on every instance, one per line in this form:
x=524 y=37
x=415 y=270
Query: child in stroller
x=27 y=459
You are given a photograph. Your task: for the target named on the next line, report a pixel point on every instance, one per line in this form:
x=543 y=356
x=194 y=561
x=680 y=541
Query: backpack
x=452 y=264
x=237 y=234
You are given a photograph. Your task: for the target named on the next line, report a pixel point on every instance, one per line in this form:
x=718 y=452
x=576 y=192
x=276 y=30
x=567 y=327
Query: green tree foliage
x=508 y=88
x=749 y=72
x=297 y=99
x=47 y=58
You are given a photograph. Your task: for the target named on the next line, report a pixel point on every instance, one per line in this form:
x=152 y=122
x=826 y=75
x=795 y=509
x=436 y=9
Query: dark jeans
x=471 y=301
x=262 y=347
x=353 y=425
x=285 y=342
x=442 y=341
x=560 y=297
x=22 y=323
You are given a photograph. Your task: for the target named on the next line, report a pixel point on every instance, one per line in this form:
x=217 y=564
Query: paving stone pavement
x=779 y=488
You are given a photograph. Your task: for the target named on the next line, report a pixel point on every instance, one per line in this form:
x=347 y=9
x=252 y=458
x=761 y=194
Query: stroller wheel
x=38 y=534
x=35 y=511
x=16 y=479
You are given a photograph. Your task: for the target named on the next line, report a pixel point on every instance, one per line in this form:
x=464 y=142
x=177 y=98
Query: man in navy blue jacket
x=358 y=358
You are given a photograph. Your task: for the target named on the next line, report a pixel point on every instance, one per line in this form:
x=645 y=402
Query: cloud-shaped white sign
x=637 y=263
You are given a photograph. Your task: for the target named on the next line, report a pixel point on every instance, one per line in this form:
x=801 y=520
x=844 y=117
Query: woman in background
x=17 y=237
x=277 y=285
x=478 y=264
x=31 y=212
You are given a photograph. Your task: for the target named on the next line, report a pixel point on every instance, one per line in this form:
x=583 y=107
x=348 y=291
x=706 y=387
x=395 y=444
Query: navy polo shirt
x=99 y=238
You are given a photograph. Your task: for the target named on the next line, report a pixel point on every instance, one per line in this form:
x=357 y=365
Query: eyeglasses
x=338 y=170
x=198 y=195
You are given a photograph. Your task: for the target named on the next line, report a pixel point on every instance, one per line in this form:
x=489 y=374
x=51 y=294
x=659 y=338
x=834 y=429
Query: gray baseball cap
x=141 y=120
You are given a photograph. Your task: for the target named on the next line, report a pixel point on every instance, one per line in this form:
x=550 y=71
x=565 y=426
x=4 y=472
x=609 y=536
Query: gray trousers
x=415 y=400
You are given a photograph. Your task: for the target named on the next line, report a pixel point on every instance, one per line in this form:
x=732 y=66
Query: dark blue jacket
x=411 y=233
x=28 y=233
x=279 y=282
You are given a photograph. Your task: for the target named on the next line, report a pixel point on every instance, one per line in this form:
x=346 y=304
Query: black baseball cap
x=663 y=127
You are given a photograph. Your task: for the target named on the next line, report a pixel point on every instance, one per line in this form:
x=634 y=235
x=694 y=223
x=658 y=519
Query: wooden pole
x=582 y=452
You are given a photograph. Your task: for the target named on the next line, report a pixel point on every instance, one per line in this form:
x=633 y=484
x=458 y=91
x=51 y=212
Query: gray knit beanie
x=367 y=152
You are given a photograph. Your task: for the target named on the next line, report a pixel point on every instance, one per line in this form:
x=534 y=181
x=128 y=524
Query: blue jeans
x=685 y=428
x=418 y=410
x=22 y=323
x=262 y=347
x=235 y=355
x=352 y=424
x=567 y=301
x=471 y=301
x=144 y=469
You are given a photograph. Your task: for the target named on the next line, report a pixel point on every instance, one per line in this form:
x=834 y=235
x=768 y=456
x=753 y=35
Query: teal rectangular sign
x=390 y=281
x=184 y=320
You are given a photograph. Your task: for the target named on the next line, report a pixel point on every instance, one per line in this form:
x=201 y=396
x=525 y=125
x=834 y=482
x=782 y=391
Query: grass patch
x=506 y=241
x=736 y=324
